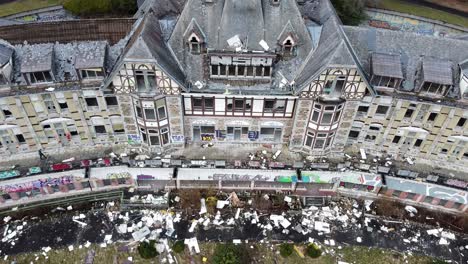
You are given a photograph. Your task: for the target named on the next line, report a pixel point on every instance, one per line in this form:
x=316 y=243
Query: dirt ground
x=461 y=5
x=396 y=210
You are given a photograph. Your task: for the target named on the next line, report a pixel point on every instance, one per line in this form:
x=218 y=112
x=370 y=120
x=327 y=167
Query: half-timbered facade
x=285 y=73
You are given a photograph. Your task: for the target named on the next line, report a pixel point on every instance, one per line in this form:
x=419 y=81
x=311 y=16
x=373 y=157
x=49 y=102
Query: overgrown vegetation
x=94 y=7
x=230 y=254
x=147 y=250
x=178 y=246
x=351 y=12
x=19 y=6
x=419 y=10
x=313 y=251
x=286 y=250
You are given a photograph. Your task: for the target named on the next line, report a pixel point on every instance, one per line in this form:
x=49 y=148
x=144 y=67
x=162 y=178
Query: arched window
x=194 y=44
x=288 y=47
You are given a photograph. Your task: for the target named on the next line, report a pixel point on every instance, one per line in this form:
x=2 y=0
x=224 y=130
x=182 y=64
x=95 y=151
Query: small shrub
x=229 y=254
x=313 y=251
x=286 y=250
x=178 y=246
x=147 y=250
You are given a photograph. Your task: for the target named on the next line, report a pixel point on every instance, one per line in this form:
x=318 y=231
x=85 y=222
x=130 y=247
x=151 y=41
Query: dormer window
x=3 y=80
x=92 y=74
x=437 y=77
x=387 y=72
x=288 y=47
x=41 y=77
x=194 y=44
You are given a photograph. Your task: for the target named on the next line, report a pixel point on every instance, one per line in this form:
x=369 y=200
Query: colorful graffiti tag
x=118 y=175
x=36 y=184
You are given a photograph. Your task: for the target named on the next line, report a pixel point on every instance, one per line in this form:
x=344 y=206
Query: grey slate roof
x=412 y=48
x=464 y=67
x=36 y=58
x=387 y=65
x=437 y=71
x=91 y=55
x=6 y=51
x=148 y=42
x=251 y=20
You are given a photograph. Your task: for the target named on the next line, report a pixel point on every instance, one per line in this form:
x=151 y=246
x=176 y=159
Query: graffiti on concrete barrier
x=36 y=184
x=239 y=177
x=118 y=175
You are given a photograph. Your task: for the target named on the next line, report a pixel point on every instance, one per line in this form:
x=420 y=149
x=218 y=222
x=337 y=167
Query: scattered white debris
x=447 y=235
x=69 y=208
x=220 y=204
x=237 y=213
x=70 y=248
x=443 y=241
x=287 y=199
x=203 y=206
x=411 y=210
x=6 y=219
x=87 y=244
x=264 y=45
x=79 y=222
x=363 y=154
x=141 y=234
x=322 y=227
x=410 y=161
x=237 y=241
x=359 y=239
x=192 y=244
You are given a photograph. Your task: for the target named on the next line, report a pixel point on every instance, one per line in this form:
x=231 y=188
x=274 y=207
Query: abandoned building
x=279 y=72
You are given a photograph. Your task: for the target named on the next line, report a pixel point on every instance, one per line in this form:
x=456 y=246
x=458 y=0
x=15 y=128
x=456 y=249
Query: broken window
x=40 y=77
x=161 y=109
x=315 y=116
x=165 y=135
x=432 y=117
x=3 y=79
x=20 y=138
x=418 y=142
x=150 y=114
x=274 y=105
x=195 y=45
x=382 y=110
x=139 y=112
x=7 y=113
x=153 y=137
x=203 y=103
x=100 y=129
x=363 y=109
x=92 y=73
x=91 y=101
x=111 y=101
x=461 y=122
x=117 y=124
x=288 y=47
x=270 y=134
x=354 y=134
x=326 y=118
x=409 y=113
x=309 y=139
x=63 y=106
x=145 y=80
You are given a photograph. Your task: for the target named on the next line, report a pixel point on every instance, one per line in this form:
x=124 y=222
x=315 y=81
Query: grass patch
x=258 y=253
x=26 y=5
x=422 y=11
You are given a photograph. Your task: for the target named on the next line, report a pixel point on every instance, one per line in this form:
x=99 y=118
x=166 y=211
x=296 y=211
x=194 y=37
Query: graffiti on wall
x=118 y=175
x=36 y=184
x=239 y=177
x=396 y=22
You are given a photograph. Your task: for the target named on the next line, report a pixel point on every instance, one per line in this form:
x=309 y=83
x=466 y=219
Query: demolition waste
x=340 y=223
